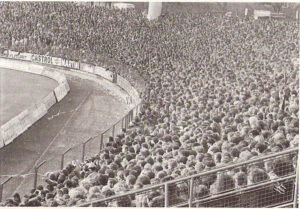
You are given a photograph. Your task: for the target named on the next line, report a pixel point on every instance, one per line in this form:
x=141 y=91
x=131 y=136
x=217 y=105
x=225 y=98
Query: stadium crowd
x=219 y=90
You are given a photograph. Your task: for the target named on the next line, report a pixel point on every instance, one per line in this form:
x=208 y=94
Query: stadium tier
x=218 y=120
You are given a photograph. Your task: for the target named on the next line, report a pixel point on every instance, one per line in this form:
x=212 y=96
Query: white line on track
x=56 y=136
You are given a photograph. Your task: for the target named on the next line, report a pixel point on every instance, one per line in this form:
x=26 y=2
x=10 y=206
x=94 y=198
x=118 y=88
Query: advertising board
x=41 y=59
x=56 y=61
x=19 y=55
x=69 y=64
x=261 y=13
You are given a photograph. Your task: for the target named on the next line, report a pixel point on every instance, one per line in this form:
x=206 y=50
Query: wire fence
x=267 y=181
x=80 y=152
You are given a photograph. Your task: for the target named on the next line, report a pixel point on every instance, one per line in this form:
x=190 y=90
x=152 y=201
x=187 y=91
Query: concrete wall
x=19 y=124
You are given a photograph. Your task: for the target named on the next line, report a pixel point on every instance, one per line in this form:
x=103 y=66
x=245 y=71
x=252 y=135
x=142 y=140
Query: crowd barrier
x=189 y=191
x=49 y=100
x=21 y=122
x=60 y=92
x=60 y=78
x=9 y=131
x=24 y=120
x=87 y=68
x=124 y=84
x=104 y=73
x=108 y=75
x=39 y=111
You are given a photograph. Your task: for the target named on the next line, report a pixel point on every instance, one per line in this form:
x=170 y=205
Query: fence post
x=166 y=195
x=63 y=158
x=83 y=151
x=126 y=122
x=296 y=187
x=35 y=178
x=122 y=122
x=113 y=131
x=131 y=115
x=101 y=142
x=2 y=187
x=128 y=119
x=1 y=192
x=62 y=161
x=36 y=168
x=191 y=192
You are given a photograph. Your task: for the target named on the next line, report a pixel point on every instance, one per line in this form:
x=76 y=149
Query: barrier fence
x=269 y=181
x=80 y=152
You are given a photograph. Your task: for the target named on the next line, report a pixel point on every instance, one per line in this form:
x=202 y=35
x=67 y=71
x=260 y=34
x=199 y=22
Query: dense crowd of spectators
x=219 y=90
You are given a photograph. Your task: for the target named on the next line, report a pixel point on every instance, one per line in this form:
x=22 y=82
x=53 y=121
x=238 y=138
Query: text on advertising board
x=18 y=55
x=41 y=59
x=69 y=64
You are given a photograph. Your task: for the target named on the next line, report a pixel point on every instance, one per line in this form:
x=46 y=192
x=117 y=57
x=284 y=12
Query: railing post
x=1 y=192
x=83 y=151
x=126 y=122
x=128 y=118
x=191 y=192
x=63 y=158
x=2 y=187
x=131 y=115
x=62 y=161
x=166 y=195
x=36 y=174
x=101 y=143
x=123 y=122
x=296 y=187
x=113 y=131
x=35 y=178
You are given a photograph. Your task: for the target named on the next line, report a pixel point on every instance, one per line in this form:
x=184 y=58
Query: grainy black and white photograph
x=149 y=104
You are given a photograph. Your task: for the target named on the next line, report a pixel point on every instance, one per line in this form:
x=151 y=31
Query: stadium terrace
x=215 y=90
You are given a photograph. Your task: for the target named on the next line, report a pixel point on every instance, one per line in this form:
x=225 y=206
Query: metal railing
x=80 y=152
x=267 y=181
